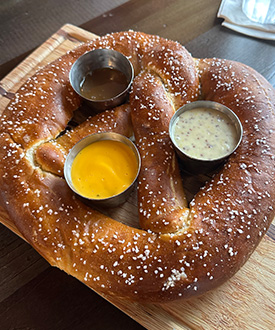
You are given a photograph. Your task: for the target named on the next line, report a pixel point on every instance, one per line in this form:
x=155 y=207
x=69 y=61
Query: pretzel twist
x=179 y=251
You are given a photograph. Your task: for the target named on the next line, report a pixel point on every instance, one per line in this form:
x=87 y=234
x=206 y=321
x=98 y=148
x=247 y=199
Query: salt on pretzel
x=179 y=251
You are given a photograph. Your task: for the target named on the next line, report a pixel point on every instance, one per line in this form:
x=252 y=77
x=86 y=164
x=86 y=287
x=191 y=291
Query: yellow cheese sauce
x=205 y=133
x=103 y=169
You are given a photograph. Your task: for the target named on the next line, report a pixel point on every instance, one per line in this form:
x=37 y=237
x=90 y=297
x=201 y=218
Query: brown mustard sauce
x=103 y=84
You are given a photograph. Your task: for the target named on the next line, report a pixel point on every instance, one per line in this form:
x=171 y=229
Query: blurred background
x=25 y=24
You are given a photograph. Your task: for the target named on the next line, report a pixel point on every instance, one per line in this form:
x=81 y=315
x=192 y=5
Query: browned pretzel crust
x=179 y=251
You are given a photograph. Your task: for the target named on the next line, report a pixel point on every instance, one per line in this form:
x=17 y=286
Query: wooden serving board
x=247 y=301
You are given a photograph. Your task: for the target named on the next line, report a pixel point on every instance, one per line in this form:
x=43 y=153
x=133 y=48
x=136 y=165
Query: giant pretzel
x=179 y=250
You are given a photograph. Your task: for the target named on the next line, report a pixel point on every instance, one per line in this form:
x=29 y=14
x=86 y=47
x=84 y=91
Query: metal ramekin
x=112 y=201
x=96 y=59
x=195 y=165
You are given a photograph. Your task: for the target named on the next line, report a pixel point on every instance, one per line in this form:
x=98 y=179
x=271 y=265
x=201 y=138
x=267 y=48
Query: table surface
x=34 y=295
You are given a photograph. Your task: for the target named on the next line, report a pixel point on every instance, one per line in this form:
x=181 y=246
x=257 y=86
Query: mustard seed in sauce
x=205 y=133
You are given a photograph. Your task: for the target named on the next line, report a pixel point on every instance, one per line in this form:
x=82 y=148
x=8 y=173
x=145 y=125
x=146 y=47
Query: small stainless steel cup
x=97 y=59
x=112 y=201
x=196 y=165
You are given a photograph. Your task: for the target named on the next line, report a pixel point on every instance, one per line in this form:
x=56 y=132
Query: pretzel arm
x=162 y=202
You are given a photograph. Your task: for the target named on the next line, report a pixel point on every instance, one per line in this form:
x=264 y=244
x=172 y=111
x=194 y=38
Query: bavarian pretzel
x=179 y=250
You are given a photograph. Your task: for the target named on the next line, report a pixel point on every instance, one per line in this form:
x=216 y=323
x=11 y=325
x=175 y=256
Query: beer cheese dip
x=205 y=133
x=104 y=169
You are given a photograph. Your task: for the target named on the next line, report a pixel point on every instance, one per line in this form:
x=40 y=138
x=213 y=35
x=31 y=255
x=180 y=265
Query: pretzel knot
x=179 y=250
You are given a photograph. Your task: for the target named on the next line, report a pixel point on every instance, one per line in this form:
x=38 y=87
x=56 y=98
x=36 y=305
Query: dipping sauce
x=205 y=133
x=103 y=169
x=103 y=84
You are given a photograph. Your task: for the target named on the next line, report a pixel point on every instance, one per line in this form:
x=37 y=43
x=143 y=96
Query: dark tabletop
x=34 y=295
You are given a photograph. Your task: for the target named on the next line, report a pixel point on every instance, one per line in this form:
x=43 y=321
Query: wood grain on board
x=246 y=301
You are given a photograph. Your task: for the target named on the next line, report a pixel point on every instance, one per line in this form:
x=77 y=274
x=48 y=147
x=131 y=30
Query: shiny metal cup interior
x=196 y=165
x=112 y=201
x=97 y=59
